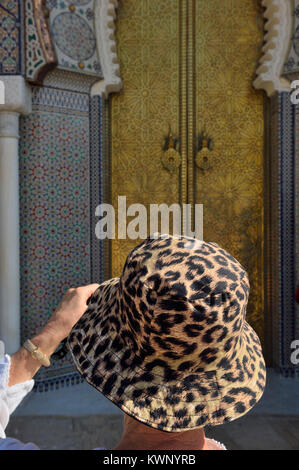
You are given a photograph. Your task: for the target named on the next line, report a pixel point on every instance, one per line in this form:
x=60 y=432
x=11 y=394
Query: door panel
x=190 y=64
x=229 y=36
x=148 y=45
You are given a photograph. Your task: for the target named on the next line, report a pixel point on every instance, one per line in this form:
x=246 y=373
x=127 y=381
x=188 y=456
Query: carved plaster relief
x=277 y=42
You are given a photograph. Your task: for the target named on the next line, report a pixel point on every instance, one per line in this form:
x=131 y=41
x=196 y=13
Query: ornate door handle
x=171 y=158
x=204 y=152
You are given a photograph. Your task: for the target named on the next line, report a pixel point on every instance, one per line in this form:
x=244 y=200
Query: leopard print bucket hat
x=167 y=342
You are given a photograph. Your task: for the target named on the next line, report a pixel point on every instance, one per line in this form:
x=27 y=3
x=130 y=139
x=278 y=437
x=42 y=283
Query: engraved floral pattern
x=148 y=42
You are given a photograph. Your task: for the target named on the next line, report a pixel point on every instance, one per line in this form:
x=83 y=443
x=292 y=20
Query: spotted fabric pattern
x=168 y=342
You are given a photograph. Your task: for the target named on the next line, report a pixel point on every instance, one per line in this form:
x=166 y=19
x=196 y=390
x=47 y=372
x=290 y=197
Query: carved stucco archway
x=278 y=31
x=105 y=15
x=274 y=75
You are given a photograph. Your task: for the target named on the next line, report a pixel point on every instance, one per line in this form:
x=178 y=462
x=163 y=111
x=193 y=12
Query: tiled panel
x=54 y=210
x=11 y=31
x=287 y=216
x=297 y=209
x=72 y=29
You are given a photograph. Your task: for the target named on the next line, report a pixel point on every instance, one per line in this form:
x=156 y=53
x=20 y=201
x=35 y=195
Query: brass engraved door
x=188 y=65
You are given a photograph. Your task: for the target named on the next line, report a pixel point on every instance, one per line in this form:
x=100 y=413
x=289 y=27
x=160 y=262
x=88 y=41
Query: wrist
x=24 y=365
x=46 y=341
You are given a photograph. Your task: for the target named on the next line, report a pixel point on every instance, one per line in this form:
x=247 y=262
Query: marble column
x=17 y=102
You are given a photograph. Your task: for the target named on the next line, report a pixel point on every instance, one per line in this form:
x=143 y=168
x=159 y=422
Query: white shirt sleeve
x=10 y=398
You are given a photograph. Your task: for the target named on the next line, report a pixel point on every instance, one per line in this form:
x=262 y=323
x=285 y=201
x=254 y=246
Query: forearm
x=23 y=365
x=71 y=308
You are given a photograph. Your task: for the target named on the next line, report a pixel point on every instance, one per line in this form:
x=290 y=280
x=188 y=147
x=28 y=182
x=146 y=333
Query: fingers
x=87 y=291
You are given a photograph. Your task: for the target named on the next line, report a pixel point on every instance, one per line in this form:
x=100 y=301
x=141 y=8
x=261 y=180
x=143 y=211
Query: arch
x=277 y=38
x=105 y=14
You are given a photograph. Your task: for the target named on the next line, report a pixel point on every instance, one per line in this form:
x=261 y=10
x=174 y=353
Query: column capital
x=17 y=95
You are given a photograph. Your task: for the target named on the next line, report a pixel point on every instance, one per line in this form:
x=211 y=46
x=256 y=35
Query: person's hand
x=71 y=308
x=69 y=311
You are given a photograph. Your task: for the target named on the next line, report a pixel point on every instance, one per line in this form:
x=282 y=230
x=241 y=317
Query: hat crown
x=176 y=288
x=183 y=267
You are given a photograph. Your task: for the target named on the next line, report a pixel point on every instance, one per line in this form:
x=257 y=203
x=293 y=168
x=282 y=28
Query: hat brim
x=223 y=392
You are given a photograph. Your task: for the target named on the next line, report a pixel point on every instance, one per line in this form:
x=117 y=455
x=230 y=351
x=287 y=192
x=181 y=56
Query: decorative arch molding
x=40 y=56
x=40 y=49
x=105 y=14
x=278 y=34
